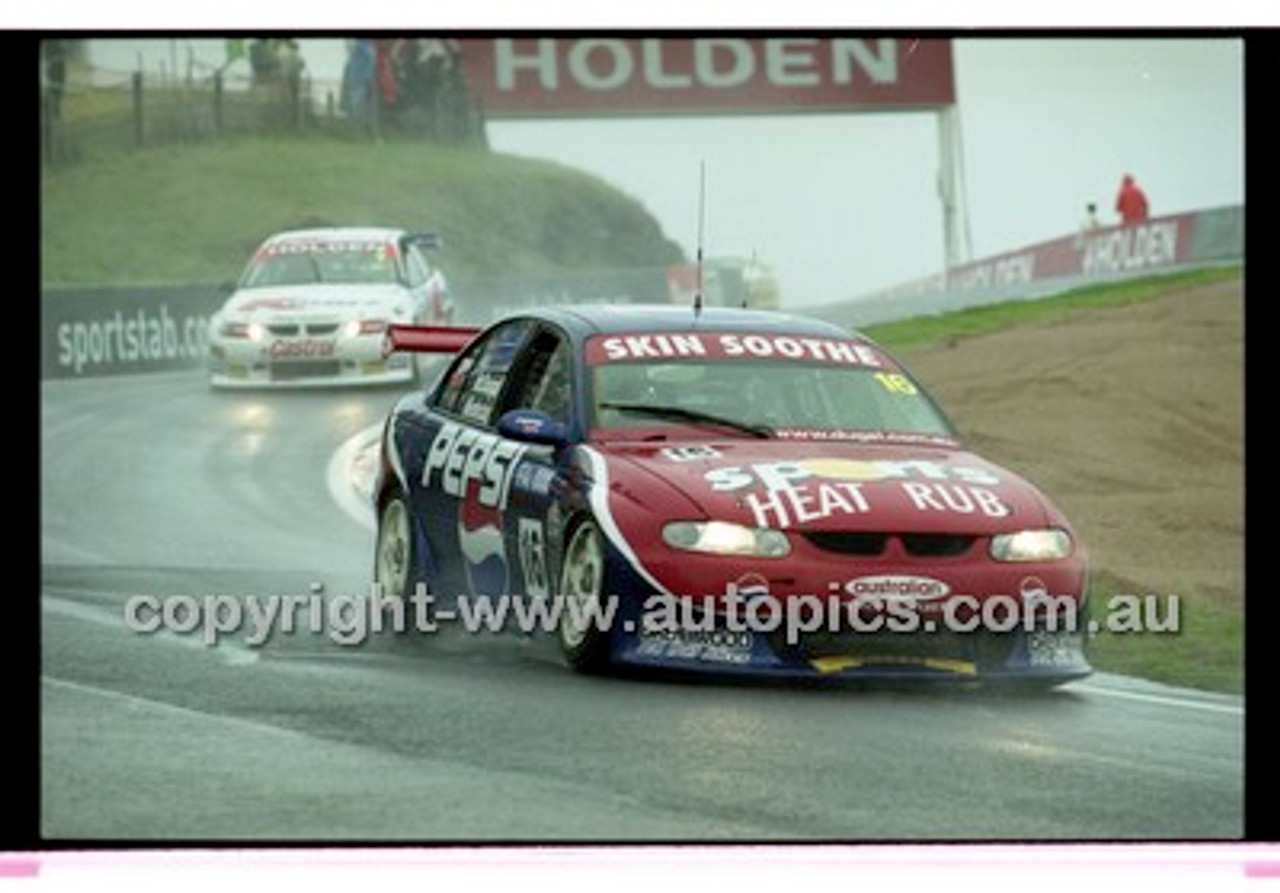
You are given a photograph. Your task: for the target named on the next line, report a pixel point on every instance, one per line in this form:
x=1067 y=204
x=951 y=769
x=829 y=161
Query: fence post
x=217 y=103
x=138 y=129
x=50 y=126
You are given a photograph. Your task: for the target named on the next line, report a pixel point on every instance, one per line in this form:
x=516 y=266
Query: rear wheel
x=584 y=638
x=395 y=565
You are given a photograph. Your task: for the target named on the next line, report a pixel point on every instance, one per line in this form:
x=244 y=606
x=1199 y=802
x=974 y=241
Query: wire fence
x=99 y=112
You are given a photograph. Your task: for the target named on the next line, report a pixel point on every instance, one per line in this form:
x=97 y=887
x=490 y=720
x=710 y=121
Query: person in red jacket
x=1131 y=202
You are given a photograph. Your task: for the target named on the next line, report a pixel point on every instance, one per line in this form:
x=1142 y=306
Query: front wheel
x=584 y=635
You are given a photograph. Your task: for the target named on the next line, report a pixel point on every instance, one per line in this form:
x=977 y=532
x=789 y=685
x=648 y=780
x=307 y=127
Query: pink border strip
x=18 y=867
x=1252 y=859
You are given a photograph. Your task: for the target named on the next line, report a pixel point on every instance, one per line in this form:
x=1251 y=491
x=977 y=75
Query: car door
x=427 y=286
x=542 y=380
x=464 y=473
x=416 y=272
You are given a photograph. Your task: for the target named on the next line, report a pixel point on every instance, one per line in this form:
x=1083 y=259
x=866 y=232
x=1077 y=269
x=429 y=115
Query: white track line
x=228 y=652
x=349 y=475
x=1164 y=700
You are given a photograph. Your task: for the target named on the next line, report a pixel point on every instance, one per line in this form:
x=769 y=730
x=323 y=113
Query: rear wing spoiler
x=427 y=339
x=426 y=240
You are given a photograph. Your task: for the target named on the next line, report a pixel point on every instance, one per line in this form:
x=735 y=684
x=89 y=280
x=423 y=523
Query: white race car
x=313 y=306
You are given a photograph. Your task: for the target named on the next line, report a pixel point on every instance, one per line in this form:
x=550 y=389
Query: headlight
x=724 y=538
x=1049 y=544
x=356 y=327
x=250 y=330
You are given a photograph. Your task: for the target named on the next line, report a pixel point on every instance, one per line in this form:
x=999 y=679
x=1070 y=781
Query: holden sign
x=555 y=77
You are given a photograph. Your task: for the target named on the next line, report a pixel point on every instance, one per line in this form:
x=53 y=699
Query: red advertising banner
x=545 y=77
x=1161 y=242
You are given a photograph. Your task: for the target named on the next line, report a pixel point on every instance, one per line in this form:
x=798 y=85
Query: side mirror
x=532 y=426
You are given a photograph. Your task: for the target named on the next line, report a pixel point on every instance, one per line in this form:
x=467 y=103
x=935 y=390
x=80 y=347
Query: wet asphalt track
x=153 y=485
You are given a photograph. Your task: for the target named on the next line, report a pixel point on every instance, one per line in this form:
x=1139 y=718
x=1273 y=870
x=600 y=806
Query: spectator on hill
x=1089 y=225
x=264 y=61
x=1131 y=202
x=1091 y=221
x=357 y=79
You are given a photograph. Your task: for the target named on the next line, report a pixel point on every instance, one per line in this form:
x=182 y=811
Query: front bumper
x=1021 y=654
x=357 y=360
x=1035 y=645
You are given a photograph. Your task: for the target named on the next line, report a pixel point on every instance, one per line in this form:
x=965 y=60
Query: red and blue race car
x=735 y=491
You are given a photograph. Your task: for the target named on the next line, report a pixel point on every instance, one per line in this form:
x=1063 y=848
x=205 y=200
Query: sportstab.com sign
x=111 y=331
x=556 y=77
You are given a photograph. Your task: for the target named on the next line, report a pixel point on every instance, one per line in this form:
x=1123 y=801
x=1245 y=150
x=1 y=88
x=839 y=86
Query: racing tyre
x=581 y=594
x=395 y=564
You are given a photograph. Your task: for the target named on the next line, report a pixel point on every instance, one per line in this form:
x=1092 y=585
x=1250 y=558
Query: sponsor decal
x=527 y=77
x=481 y=541
x=531 y=540
x=269 y=304
x=1132 y=248
x=780 y=475
x=716 y=646
x=957 y=498
x=1015 y=269
x=478 y=469
x=533 y=479
x=897 y=588
x=749 y=586
x=139 y=338
x=1033 y=589
x=782 y=494
x=903 y=438
x=312 y=302
x=328 y=246
x=1036 y=597
x=464 y=456
x=528 y=424
x=300 y=349
x=690 y=453
x=800 y=504
x=732 y=345
x=1046 y=648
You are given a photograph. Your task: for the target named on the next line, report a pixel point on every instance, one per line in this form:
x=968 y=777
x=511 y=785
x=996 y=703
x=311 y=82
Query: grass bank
x=1198 y=641
x=941 y=328
x=194 y=213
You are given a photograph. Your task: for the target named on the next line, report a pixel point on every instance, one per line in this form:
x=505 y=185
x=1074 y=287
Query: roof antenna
x=702 y=201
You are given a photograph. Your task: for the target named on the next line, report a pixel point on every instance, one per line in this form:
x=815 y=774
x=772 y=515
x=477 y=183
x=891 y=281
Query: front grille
x=321 y=328
x=848 y=543
x=918 y=545
x=283 y=330
x=936 y=545
x=295 y=369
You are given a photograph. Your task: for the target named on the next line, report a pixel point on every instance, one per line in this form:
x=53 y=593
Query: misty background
x=842 y=205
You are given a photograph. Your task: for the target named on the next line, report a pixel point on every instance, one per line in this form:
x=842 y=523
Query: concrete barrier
x=108 y=330
x=126 y=330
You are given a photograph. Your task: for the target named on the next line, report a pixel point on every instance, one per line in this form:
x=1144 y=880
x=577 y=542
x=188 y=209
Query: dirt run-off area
x=1131 y=419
